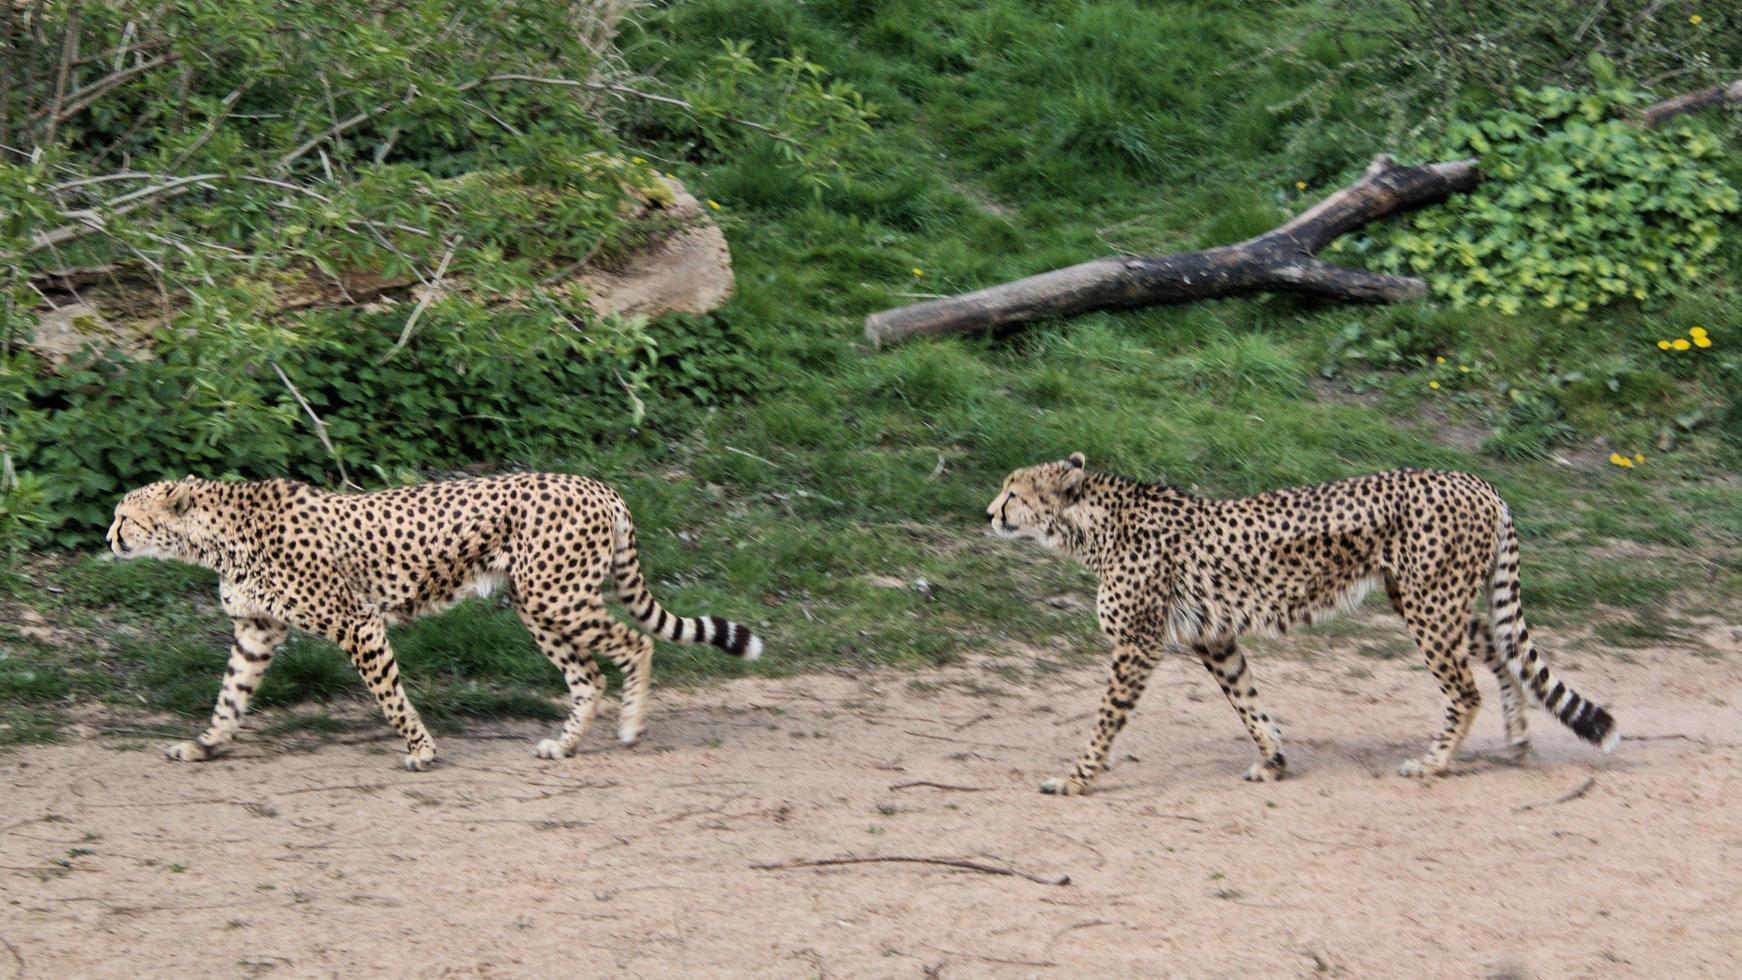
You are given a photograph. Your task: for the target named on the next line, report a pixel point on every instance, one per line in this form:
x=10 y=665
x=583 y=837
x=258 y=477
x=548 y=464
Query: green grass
x=1015 y=137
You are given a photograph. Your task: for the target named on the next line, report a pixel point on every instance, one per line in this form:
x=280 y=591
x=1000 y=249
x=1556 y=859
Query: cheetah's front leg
x=1131 y=669
x=366 y=642
x=1228 y=665
x=256 y=638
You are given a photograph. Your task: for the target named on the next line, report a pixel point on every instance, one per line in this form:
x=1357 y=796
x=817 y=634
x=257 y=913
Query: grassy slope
x=1016 y=138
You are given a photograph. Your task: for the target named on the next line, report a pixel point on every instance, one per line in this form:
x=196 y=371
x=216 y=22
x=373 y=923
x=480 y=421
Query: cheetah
x=344 y=566
x=1183 y=572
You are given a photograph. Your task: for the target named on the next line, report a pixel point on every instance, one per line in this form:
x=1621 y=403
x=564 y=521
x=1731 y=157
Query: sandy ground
x=306 y=857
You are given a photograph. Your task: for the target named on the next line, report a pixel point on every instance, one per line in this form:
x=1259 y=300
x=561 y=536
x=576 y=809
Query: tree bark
x=1281 y=260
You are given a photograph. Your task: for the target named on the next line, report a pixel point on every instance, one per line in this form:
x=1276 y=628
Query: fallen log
x=1698 y=99
x=1282 y=260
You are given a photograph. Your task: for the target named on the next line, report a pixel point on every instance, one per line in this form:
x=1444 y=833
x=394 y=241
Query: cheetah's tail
x=1588 y=719
x=632 y=590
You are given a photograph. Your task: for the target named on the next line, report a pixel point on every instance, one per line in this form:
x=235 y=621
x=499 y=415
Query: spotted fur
x=345 y=566
x=1178 y=571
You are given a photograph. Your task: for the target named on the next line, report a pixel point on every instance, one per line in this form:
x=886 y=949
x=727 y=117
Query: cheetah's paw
x=1420 y=769
x=420 y=760
x=1265 y=772
x=189 y=751
x=550 y=748
x=1063 y=786
x=628 y=734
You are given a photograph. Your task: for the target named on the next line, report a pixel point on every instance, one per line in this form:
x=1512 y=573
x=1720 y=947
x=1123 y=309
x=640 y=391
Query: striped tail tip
x=734 y=638
x=1593 y=723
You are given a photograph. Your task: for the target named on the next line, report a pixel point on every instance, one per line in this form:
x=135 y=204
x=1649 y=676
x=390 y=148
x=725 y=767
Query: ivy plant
x=1579 y=206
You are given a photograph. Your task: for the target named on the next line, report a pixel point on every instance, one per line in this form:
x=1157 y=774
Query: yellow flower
x=1679 y=344
x=918 y=271
x=1463 y=369
x=1621 y=461
x=1696 y=331
x=1695 y=20
x=1435 y=385
x=637 y=160
x=1702 y=341
x=713 y=204
x=1639 y=457
x=1300 y=185
x=1439 y=360
x=1663 y=345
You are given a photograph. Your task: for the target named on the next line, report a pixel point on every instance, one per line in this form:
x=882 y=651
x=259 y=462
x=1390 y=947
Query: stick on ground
x=1581 y=790
x=963 y=863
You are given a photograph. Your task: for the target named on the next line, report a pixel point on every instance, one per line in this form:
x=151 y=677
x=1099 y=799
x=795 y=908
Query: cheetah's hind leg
x=1443 y=641
x=569 y=643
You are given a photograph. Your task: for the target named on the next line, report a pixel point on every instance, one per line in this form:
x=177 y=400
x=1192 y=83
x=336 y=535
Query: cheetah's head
x=1034 y=498
x=157 y=521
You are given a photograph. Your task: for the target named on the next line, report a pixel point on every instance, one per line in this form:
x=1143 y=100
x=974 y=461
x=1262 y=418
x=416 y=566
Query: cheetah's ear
x=180 y=497
x=1071 y=482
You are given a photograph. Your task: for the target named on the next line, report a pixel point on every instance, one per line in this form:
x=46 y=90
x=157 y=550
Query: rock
x=688 y=270
x=62 y=331
x=684 y=268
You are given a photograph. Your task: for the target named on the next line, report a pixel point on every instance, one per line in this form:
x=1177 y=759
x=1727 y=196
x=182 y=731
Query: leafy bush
x=251 y=185
x=454 y=402
x=705 y=358
x=1375 y=76
x=1577 y=208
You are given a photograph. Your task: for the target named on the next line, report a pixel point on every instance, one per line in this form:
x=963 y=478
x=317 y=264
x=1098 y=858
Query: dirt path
x=303 y=858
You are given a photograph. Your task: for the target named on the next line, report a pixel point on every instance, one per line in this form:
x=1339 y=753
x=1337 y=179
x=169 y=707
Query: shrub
x=1578 y=208
x=1380 y=76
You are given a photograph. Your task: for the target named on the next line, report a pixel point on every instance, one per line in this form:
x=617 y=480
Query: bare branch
x=320 y=426
x=9 y=37
x=68 y=51
x=211 y=127
x=83 y=98
x=339 y=128
x=624 y=90
x=429 y=294
x=343 y=126
x=92 y=220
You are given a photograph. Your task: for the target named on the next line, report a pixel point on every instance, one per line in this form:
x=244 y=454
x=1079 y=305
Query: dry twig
x=963 y=863
x=16 y=955
x=1583 y=788
x=963 y=741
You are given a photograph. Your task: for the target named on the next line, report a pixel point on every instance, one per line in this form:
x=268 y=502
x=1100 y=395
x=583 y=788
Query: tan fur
x=345 y=566
x=1184 y=572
